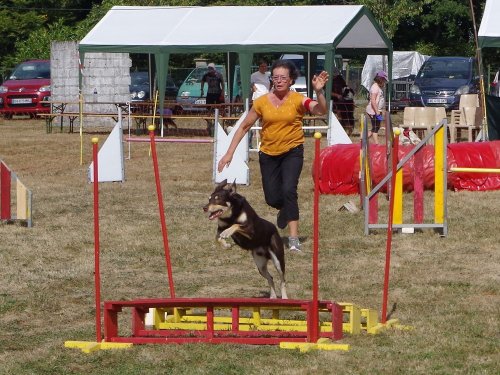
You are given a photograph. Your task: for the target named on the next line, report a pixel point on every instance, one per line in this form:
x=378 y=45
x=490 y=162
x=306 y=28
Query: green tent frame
x=264 y=30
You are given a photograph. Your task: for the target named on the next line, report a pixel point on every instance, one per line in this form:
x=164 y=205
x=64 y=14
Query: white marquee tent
x=489 y=30
x=244 y=30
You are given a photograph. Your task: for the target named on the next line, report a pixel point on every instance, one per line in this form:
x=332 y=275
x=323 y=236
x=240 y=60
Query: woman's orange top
x=281 y=126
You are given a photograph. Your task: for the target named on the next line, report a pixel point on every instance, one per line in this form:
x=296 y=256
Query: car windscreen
x=196 y=75
x=139 y=78
x=32 y=70
x=446 y=69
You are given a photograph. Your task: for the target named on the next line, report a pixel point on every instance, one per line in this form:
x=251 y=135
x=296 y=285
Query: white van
x=298 y=60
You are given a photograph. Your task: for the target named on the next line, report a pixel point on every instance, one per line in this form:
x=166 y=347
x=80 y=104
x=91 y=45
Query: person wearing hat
x=215 y=92
x=376 y=104
x=215 y=83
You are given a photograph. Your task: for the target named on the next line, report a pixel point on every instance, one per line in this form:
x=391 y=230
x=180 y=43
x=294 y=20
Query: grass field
x=448 y=289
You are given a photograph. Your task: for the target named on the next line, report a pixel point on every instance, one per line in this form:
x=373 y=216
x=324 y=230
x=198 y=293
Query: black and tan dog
x=238 y=220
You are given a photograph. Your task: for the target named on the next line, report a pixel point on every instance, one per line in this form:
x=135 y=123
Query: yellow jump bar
x=475 y=170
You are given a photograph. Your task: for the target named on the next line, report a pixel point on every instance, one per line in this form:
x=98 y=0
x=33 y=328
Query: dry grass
x=447 y=288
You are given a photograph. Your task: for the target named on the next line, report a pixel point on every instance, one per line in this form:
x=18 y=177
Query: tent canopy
x=326 y=29
x=489 y=30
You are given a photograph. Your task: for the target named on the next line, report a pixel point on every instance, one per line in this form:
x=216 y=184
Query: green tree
x=15 y=26
x=35 y=47
x=429 y=26
x=28 y=25
x=390 y=13
x=444 y=28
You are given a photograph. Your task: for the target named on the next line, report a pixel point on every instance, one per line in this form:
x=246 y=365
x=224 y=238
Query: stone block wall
x=106 y=80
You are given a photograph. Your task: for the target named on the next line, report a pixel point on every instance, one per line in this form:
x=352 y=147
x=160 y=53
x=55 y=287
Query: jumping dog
x=238 y=220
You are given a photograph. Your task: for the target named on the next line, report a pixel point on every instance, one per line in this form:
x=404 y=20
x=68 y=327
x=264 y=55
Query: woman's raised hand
x=319 y=81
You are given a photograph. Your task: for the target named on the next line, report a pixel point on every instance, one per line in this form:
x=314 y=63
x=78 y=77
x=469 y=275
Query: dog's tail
x=279 y=249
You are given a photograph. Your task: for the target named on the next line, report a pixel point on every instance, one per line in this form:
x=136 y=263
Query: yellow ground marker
x=92 y=346
x=391 y=323
x=322 y=344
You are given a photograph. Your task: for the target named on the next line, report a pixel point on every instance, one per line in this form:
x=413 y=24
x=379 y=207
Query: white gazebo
x=244 y=30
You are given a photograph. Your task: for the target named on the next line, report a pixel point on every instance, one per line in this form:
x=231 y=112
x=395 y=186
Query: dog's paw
x=226 y=233
x=223 y=243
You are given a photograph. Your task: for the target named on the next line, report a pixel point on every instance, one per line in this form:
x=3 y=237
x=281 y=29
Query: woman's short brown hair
x=287 y=64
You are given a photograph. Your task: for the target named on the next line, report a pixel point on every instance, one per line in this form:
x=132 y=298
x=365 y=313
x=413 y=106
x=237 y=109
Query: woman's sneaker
x=294 y=244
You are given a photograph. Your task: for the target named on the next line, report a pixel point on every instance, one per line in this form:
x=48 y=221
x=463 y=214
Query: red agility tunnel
x=339 y=167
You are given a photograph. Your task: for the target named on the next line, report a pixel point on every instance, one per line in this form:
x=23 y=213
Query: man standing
x=260 y=80
x=215 y=83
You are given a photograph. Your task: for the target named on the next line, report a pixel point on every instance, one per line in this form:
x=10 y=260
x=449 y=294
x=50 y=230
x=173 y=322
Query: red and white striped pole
x=395 y=150
x=151 y=129
x=97 y=271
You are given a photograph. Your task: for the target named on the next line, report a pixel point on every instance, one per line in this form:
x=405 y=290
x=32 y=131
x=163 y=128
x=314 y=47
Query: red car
x=27 y=90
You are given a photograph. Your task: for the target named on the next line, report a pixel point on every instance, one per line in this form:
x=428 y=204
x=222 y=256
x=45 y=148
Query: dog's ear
x=221 y=185
x=233 y=186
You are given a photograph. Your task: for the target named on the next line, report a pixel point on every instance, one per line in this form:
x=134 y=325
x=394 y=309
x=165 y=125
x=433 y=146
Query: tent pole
x=161 y=63
x=150 y=71
x=245 y=72
x=228 y=78
x=482 y=92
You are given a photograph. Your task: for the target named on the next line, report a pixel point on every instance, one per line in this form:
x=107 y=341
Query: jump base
x=256 y=321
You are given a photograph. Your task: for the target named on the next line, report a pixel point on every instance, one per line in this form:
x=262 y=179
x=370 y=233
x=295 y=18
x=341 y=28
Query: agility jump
x=228 y=320
x=23 y=197
x=369 y=196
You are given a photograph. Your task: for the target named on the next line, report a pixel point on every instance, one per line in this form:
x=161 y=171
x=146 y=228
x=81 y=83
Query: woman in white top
x=376 y=104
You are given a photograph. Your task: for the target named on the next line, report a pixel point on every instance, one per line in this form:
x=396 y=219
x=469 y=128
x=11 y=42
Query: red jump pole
x=395 y=149
x=314 y=323
x=97 y=275
x=151 y=129
x=418 y=188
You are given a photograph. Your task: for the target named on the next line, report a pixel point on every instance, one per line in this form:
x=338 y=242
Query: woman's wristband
x=319 y=92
